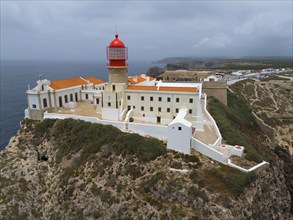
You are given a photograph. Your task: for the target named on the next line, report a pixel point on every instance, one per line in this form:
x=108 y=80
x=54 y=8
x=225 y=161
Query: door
x=60 y=101
x=158 y=119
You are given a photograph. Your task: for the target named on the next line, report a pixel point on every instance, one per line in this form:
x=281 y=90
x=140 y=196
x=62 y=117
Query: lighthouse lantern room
x=117 y=54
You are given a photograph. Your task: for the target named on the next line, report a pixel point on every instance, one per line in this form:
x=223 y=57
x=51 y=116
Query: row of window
x=160 y=99
x=66 y=99
x=159 y=109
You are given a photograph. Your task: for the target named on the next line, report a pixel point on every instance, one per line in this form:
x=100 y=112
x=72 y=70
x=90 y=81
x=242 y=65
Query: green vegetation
x=75 y=137
x=104 y=195
x=177 y=212
x=256 y=64
x=273 y=77
x=234 y=119
x=195 y=192
x=132 y=170
x=145 y=149
x=234 y=180
x=194 y=176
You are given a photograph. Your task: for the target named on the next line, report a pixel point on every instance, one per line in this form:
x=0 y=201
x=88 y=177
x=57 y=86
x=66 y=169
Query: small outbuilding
x=180 y=133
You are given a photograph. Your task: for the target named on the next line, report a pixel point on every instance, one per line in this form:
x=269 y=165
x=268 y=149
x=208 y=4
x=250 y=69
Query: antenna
x=116 y=28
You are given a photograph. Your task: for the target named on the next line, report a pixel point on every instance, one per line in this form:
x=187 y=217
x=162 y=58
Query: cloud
x=151 y=30
x=216 y=41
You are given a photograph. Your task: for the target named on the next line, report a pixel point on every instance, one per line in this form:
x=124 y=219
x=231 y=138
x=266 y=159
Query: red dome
x=116 y=42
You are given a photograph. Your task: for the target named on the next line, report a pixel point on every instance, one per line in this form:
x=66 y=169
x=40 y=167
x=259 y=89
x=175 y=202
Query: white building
x=173 y=112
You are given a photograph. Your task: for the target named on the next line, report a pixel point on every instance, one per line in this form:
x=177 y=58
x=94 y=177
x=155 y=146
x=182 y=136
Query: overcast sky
x=152 y=30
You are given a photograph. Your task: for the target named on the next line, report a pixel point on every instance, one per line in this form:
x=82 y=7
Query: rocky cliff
x=76 y=170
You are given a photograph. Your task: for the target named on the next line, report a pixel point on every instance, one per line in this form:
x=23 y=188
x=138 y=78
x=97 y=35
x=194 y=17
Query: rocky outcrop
x=155 y=71
x=97 y=172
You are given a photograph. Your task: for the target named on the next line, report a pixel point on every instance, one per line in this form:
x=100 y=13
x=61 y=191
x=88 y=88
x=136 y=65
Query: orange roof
x=66 y=83
x=94 y=80
x=139 y=79
x=163 y=88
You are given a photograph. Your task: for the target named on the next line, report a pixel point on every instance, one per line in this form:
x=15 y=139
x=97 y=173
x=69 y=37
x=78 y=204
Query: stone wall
x=118 y=74
x=216 y=89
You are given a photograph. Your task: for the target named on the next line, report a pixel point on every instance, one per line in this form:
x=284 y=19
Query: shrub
x=104 y=195
x=194 y=176
x=193 y=192
x=145 y=149
x=235 y=180
x=97 y=214
x=176 y=165
x=132 y=170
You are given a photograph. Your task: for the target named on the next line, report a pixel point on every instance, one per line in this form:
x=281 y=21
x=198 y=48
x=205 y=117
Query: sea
x=16 y=76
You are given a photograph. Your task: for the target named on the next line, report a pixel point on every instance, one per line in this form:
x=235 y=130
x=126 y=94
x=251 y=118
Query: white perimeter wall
x=157 y=131
x=208 y=151
x=110 y=114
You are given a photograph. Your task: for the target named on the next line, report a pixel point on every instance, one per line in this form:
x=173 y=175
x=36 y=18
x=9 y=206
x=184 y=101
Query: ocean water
x=17 y=75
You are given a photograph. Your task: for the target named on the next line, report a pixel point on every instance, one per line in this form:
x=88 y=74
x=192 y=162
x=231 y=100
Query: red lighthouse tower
x=117 y=55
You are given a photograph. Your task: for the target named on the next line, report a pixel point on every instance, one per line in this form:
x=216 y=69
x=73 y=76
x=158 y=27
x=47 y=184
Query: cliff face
x=76 y=170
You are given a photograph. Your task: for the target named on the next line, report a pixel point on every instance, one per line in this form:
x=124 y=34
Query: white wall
x=110 y=114
x=219 y=140
x=208 y=151
x=33 y=99
x=179 y=140
x=135 y=102
x=157 y=131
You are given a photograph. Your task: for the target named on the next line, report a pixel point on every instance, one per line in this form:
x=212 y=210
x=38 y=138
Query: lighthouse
x=117 y=55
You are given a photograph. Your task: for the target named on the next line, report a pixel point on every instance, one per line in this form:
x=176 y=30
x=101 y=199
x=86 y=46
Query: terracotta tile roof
x=162 y=88
x=94 y=80
x=66 y=83
x=139 y=78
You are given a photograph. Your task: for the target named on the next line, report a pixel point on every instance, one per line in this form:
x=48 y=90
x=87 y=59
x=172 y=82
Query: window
x=98 y=101
x=66 y=98
x=151 y=109
x=128 y=107
x=190 y=100
x=151 y=98
x=142 y=108
x=34 y=106
x=128 y=97
x=179 y=128
x=142 y=98
x=76 y=97
x=86 y=96
x=159 y=109
x=71 y=97
x=45 y=103
x=168 y=99
x=177 y=99
x=190 y=111
x=168 y=109
x=160 y=99
x=113 y=87
x=133 y=107
x=109 y=104
x=177 y=110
